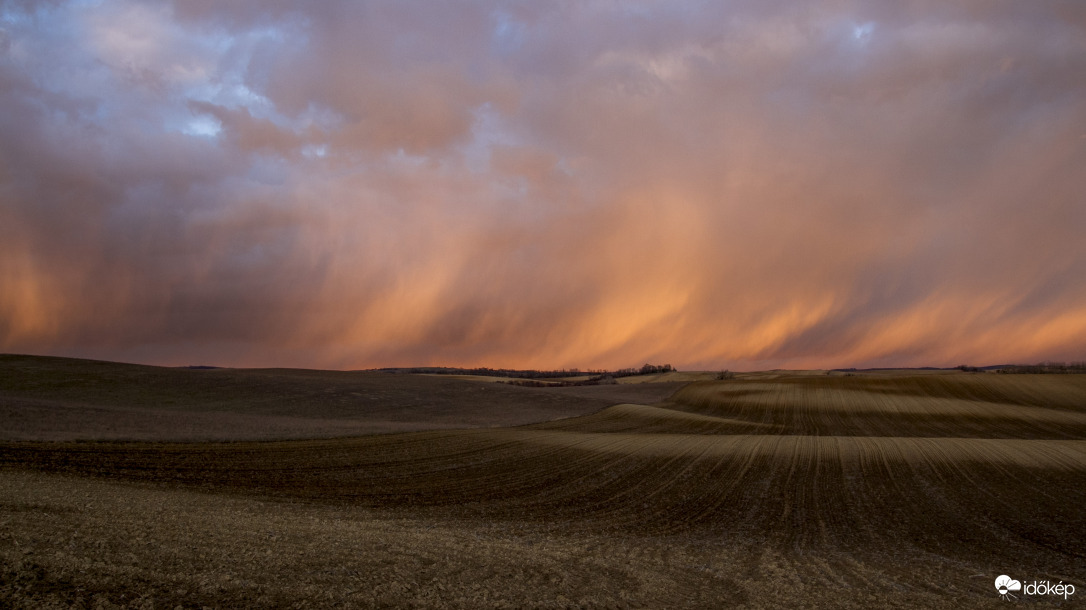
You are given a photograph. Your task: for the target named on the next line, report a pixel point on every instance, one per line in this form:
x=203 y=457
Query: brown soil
x=804 y=491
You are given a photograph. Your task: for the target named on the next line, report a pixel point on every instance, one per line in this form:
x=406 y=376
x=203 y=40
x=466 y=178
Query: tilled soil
x=801 y=491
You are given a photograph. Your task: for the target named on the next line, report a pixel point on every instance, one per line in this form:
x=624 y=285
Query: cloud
x=594 y=185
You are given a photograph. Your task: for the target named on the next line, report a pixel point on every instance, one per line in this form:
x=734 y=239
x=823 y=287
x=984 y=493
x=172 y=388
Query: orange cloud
x=340 y=185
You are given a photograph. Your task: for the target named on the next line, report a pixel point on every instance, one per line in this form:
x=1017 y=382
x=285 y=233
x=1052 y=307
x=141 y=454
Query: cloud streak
x=588 y=184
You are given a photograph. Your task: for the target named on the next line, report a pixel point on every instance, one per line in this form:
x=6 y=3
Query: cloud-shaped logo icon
x=1005 y=584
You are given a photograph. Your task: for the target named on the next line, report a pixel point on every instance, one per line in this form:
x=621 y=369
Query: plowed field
x=907 y=490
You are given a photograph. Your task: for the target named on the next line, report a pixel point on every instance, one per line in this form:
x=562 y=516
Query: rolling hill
x=898 y=490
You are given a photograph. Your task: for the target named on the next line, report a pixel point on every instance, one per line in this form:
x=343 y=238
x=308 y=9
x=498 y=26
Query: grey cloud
x=517 y=184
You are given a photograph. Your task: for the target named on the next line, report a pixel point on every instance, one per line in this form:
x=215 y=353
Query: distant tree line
x=1042 y=368
x=596 y=377
x=1048 y=368
x=646 y=369
x=489 y=372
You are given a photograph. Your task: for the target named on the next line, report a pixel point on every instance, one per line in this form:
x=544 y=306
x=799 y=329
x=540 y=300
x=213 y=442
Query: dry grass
x=964 y=405
x=670 y=376
x=798 y=491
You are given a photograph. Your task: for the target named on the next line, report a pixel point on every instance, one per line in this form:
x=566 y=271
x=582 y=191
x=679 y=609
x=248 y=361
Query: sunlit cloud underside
x=725 y=185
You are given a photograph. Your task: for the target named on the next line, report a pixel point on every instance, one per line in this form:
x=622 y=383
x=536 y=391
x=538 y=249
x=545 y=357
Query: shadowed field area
x=890 y=490
x=43 y=398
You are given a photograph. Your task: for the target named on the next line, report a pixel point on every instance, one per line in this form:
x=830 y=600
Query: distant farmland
x=884 y=489
x=71 y=399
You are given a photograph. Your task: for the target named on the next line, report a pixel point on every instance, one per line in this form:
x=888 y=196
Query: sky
x=742 y=184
